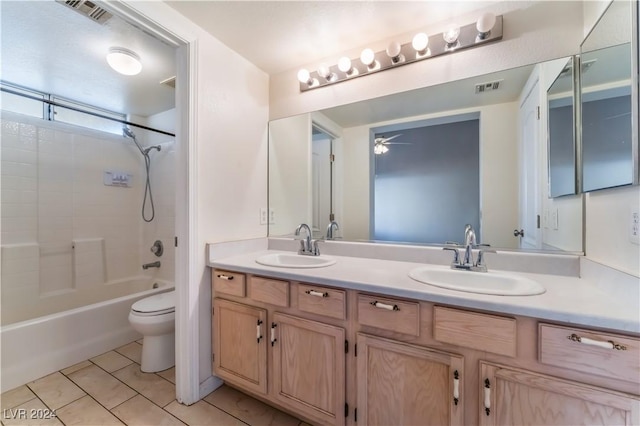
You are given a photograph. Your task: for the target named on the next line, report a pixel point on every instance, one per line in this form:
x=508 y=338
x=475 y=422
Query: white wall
x=163 y=186
x=533 y=32
x=290 y=173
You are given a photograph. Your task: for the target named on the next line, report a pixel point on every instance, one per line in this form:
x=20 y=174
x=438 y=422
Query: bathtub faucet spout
x=155 y=264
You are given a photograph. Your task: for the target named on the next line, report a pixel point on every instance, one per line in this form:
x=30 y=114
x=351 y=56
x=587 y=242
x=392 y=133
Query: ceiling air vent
x=88 y=9
x=488 y=87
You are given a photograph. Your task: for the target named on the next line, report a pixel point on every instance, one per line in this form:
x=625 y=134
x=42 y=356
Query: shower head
x=156 y=147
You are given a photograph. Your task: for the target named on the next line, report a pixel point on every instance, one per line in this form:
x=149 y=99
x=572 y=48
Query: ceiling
x=51 y=48
x=278 y=36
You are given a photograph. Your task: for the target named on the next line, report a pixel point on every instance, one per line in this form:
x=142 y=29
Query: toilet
x=154 y=318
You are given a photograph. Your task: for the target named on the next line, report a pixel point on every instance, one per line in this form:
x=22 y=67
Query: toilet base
x=158 y=353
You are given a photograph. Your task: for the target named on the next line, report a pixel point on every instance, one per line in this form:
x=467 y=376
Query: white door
x=529 y=176
x=321 y=184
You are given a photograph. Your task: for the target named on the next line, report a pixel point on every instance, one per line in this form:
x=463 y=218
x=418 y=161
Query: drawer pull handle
x=225 y=277
x=385 y=306
x=456 y=387
x=273 y=333
x=609 y=344
x=317 y=293
x=259 y=330
x=487 y=396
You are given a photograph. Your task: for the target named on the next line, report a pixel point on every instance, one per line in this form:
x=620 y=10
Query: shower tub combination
x=34 y=348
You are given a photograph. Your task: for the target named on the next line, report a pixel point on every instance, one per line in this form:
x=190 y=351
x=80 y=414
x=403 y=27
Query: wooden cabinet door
x=309 y=368
x=403 y=384
x=240 y=344
x=511 y=396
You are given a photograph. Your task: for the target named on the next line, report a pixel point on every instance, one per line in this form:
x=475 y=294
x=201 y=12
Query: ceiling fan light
x=124 y=61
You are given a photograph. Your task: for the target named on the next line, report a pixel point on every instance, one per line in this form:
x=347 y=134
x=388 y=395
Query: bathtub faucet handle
x=157 y=248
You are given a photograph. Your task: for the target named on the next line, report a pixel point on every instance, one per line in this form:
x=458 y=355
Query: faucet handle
x=481 y=253
x=456 y=254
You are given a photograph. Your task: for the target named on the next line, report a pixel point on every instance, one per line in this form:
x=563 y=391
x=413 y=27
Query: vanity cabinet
x=283 y=354
x=344 y=357
x=403 y=384
x=513 y=396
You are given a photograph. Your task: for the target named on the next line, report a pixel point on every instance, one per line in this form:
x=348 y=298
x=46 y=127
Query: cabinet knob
x=519 y=233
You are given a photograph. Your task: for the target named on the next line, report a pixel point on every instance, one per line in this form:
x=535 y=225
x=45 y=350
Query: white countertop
x=567 y=299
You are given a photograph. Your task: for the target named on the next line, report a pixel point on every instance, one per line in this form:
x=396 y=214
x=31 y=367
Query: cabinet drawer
x=229 y=283
x=322 y=300
x=592 y=352
x=389 y=314
x=474 y=330
x=267 y=290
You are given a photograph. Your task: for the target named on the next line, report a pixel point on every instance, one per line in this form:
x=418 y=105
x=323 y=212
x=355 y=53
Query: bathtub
x=34 y=348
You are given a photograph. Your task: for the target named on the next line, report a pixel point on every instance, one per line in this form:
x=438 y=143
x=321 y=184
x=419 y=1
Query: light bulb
x=324 y=71
x=304 y=76
x=451 y=35
x=367 y=57
x=420 y=42
x=344 y=65
x=380 y=149
x=485 y=24
x=393 y=49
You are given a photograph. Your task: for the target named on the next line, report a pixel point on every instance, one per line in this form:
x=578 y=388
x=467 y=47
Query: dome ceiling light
x=124 y=61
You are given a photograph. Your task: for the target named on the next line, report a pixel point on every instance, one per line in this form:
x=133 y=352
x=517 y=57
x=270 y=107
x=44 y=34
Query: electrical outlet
x=634 y=227
x=263 y=216
x=272 y=216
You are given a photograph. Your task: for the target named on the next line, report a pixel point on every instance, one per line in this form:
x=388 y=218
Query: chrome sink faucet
x=467 y=263
x=307 y=246
x=333 y=225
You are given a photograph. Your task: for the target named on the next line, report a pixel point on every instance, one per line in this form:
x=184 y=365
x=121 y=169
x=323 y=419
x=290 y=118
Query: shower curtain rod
x=95 y=114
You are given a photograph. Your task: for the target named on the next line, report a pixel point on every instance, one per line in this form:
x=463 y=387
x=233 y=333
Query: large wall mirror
x=416 y=167
x=609 y=91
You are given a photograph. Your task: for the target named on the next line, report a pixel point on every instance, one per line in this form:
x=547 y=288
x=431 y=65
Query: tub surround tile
x=76 y=367
x=140 y=411
x=86 y=411
x=152 y=386
x=15 y=397
x=111 y=361
x=56 y=390
x=133 y=351
x=202 y=414
x=169 y=374
x=248 y=409
x=35 y=405
x=105 y=388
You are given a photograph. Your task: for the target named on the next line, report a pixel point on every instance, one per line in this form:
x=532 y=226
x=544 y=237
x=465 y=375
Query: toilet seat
x=159 y=304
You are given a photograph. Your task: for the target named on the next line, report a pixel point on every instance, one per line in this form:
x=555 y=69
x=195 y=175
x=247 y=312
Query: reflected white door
x=321 y=184
x=529 y=167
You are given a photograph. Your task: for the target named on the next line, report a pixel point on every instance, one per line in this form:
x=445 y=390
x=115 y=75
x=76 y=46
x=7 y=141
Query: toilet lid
x=163 y=302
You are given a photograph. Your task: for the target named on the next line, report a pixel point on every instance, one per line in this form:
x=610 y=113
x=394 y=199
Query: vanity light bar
x=348 y=69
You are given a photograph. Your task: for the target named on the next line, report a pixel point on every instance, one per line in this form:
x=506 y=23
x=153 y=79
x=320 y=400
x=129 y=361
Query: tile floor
x=110 y=389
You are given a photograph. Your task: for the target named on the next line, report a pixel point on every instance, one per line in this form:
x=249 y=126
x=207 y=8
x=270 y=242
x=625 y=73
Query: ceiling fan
x=380 y=144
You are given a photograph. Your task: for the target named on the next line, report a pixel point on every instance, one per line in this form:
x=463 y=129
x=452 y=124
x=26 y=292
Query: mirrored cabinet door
x=561 y=132
x=608 y=85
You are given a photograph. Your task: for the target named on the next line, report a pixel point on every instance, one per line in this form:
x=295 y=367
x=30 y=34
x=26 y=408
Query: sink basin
x=288 y=260
x=496 y=283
